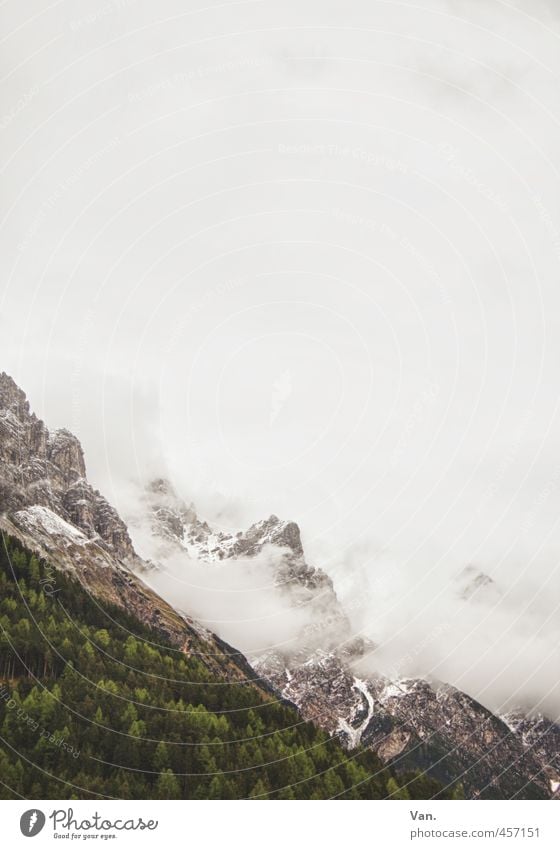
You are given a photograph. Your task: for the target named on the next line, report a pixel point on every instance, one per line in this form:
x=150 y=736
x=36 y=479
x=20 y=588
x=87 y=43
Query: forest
x=94 y=705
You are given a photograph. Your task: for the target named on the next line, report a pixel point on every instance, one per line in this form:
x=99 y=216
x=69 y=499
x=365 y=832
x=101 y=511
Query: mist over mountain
x=257 y=588
x=381 y=684
x=373 y=349
x=488 y=637
x=300 y=264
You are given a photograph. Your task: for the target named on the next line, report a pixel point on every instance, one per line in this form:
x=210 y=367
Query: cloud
x=238 y=599
x=500 y=644
x=304 y=260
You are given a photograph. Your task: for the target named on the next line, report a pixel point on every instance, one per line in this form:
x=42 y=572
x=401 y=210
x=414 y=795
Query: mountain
x=122 y=696
x=474 y=584
x=543 y=736
x=43 y=469
x=408 y=722
x=176 y=525
x=48 y=507
x=94 y=704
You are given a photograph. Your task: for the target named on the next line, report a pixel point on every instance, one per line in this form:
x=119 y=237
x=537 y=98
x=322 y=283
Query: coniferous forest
x=93 y=705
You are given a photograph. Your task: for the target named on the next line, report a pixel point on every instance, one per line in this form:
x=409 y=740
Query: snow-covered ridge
x=37 y=518
x=177 y=522
x=354 y=732
x=44 y=468
x=397 y=689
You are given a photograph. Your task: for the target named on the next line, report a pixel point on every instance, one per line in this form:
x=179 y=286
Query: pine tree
x=167 y=786
x=396 y=792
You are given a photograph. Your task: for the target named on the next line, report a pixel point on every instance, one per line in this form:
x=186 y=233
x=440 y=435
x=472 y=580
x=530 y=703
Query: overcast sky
x=301 y=257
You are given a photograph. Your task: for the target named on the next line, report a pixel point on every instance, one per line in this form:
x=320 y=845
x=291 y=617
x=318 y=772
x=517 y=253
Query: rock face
x=419 y=724
x=47 y=503
x=450 y=733
x=180 y=530
x=474 y=584
x=409 y=723
x=542 y=736
x=38 y=467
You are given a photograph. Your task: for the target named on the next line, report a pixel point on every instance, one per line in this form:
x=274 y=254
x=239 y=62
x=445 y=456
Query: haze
x=302 y=258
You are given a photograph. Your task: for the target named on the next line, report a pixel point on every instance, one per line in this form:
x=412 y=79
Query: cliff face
x=180 y=530
x=47 y=503
x=39 y=467
x=409 y=723
x=542 y=736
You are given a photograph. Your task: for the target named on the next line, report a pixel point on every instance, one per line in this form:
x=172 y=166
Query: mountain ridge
x=41 y=473
x=407 y=720
x=47 y=504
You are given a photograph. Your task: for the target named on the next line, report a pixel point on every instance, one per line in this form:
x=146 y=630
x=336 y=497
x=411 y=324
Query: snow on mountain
x=47 y=503
x=41 y=520
x=542 y=735
x=410 y=723
x=46 y=468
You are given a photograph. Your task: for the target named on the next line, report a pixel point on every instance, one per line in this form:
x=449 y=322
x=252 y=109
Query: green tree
x=167 y=786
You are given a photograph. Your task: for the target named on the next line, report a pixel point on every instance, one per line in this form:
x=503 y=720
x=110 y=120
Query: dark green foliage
x=92 y=704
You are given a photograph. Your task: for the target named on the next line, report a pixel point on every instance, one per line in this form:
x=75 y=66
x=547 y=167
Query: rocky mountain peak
x=12 y=398
x=271 y=531
x=472 y=583
x=65 y=452
x=40 y=468
x=47 y=502
x=160 y=486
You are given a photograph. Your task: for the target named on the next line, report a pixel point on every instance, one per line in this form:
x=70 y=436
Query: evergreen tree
x=100 y=706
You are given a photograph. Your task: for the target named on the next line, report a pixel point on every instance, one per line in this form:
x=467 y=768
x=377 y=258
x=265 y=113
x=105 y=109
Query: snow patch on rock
x=41 y=518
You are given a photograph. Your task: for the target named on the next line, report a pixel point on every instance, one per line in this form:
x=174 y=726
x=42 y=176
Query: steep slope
x=88 y=585
x=92 y=706
x=179 y=529
x=40 y=468
x=440 y=726
x=47 y=504
x=408 y=723
x=542 y=736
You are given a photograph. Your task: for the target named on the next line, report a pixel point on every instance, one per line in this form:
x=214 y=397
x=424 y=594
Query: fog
x=237 y=600
x=500 y=644
x=303 y=258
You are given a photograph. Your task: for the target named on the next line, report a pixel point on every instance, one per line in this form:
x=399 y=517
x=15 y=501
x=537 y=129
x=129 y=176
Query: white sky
x=301 y=257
